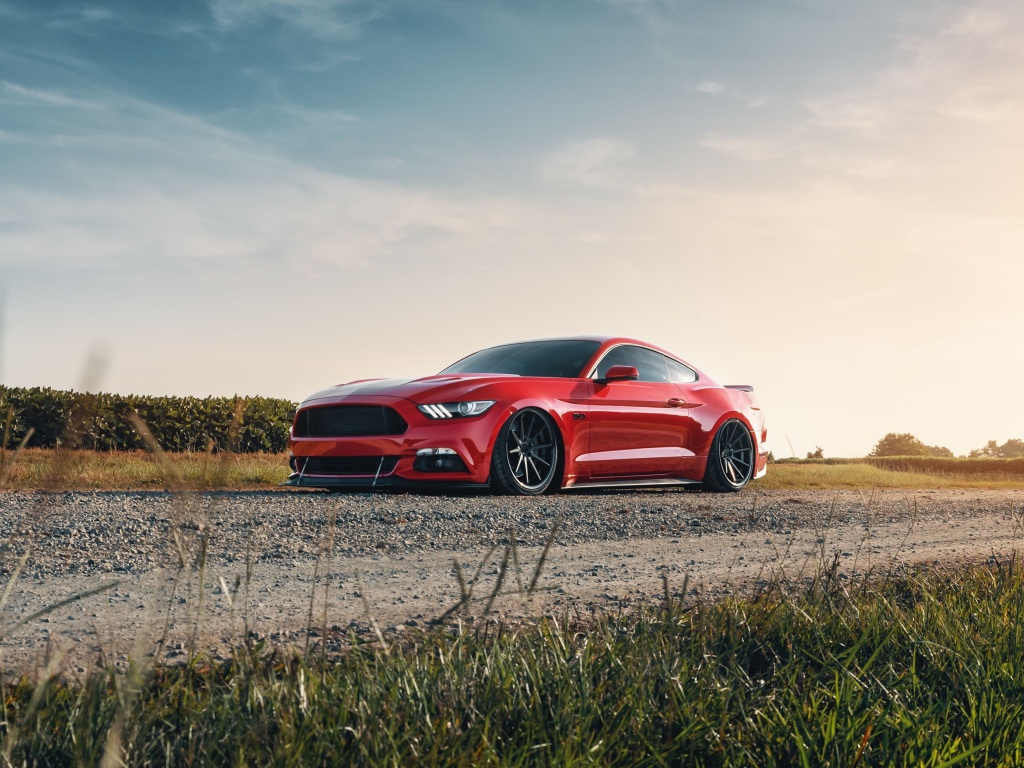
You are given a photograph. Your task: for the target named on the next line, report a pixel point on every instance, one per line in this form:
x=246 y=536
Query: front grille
x=348 y=465
x=348 y=421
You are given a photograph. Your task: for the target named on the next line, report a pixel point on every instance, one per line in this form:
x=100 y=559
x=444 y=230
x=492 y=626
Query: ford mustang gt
x=534 y=417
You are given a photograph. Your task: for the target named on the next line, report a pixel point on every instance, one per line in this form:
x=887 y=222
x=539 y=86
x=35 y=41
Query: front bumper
x=471 y=439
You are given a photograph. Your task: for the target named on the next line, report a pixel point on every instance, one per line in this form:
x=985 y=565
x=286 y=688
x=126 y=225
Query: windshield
x=562 y=359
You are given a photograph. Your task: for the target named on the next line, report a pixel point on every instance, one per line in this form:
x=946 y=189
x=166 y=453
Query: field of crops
x=925 y=464
x=48 y=418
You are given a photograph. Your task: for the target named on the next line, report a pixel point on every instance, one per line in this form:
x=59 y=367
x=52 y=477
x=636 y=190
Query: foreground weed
x=921 y=669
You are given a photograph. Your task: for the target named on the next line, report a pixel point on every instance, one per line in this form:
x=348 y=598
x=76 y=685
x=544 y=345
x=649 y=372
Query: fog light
x=438 y=460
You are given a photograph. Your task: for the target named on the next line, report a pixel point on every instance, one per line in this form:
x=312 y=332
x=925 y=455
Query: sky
x=822 y=199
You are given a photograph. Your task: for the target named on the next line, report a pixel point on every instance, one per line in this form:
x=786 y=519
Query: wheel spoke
x=545 y=461
x=536 y=428
x=730 y=470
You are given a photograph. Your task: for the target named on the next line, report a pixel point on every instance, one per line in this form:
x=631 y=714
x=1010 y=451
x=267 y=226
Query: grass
x=41 y=468
x=839 y=476
x=37 y=468
x=921 y=669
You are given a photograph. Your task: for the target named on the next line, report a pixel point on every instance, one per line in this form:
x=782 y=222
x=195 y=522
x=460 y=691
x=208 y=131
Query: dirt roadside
x=401 y=591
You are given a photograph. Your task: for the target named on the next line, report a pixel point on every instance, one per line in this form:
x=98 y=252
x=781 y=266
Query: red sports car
x=533 y=417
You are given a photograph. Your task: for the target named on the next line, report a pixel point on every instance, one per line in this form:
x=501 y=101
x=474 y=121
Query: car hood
x=429 y=389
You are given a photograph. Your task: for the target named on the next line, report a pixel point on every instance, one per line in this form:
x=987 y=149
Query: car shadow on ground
x=487 y=492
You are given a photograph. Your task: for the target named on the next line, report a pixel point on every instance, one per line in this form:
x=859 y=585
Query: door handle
x=678 y=402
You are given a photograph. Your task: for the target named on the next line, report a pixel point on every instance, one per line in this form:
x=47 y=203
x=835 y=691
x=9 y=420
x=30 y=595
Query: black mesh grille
x=349 y=421
x=348 y=465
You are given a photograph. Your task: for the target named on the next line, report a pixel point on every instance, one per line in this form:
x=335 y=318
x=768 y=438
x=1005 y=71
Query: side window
x=619 y=356
x=650 y=365
x=679 y=373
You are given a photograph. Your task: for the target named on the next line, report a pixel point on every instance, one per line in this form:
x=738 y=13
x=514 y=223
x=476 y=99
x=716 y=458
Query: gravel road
x=387 y=559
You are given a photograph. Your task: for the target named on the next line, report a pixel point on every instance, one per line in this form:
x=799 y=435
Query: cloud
x=709 y=87
x=968 y=67
x=18 y=94
x=751 y=148
x=325 y=19
x=136 y=185
x=948 y=108
x=591 y=162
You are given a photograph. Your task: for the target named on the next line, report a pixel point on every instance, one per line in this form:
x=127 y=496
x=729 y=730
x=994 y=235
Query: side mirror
x=621 y=373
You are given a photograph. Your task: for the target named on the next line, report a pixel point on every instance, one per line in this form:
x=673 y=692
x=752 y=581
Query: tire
x=731 y=459
x=525 y=457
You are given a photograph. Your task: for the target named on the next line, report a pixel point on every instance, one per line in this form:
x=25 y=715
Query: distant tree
x=988 y=452
x=1011 y=449
x=905 y=444
x=900 y=444
x=817 y=453
x=771 y=457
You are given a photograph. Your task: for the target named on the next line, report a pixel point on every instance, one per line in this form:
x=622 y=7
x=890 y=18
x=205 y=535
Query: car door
x=637 y=428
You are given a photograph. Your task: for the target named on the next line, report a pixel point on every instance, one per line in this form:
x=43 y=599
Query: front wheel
x=731 y=460
x=525 y=456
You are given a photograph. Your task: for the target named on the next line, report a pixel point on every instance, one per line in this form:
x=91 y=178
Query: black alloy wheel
x=525 y=457
x=731 y=460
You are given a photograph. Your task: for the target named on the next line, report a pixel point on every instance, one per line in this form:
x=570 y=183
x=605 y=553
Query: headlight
x=456 y=410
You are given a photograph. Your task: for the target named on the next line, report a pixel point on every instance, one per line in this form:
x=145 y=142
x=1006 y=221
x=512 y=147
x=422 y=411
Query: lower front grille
x=347 y=465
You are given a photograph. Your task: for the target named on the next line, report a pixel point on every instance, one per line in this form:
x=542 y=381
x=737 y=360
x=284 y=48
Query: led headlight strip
x=456 y=410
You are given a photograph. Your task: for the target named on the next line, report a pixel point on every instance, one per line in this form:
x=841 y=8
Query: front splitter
x=369 y=483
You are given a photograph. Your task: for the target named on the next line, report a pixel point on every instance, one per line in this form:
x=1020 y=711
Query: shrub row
x=927 y=464
x=946 y=466
x=101 y=421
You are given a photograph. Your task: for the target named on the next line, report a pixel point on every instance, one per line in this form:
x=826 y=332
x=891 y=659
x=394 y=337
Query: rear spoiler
x=740 y=387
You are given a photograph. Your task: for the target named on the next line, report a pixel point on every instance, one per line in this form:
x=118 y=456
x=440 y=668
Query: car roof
x=603 y=340
x=599 y=339
x=606 y=342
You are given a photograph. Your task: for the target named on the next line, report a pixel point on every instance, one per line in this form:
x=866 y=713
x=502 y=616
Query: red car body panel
x=616 y=432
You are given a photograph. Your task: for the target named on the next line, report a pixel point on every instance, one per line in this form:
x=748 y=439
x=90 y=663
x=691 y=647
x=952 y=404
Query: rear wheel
x=731 y=460
x=525 y=457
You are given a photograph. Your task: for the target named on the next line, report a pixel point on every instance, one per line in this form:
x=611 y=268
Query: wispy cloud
x=13 y=93
x=591 y=162
x=752 y=148
x=325 y=19
x=921 y=115
x=709 y=87
x=209 y=197
x=970 y=67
